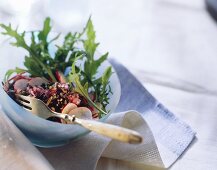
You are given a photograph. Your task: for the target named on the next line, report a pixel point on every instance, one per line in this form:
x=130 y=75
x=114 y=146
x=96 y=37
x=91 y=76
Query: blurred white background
x=170 y=45
x=172 y=38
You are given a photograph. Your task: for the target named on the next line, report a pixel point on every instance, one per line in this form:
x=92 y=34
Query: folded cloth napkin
x=165 y=136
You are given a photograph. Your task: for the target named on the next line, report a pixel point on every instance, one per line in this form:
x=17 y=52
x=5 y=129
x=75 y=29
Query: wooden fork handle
x=112 y=131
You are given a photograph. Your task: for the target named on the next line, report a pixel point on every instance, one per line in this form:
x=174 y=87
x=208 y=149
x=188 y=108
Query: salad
x=67 y=78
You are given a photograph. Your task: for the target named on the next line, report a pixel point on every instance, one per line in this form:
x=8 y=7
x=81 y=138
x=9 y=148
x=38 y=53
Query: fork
x=39 y=108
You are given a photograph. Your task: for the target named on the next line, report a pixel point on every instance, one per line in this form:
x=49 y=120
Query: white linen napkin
x=166 y=137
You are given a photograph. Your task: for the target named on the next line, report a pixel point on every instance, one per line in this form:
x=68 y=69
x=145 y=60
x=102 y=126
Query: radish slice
x=69 y=107
x=37 y=81
x=81 y=112
x=20 y=84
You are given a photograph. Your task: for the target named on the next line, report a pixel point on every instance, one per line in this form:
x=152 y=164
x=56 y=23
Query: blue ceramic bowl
x=45 y=133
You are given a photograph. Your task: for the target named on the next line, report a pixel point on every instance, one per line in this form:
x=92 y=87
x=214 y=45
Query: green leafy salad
x=45 y=75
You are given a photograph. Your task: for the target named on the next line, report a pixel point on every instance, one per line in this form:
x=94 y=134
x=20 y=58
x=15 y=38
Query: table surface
x=171 y=47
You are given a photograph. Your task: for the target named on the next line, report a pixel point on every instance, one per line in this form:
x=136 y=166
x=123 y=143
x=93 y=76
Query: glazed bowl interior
x=39 y=131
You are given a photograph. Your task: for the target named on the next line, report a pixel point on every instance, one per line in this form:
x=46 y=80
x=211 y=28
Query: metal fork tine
x=24 y=98
x=24 y=103
x=27 y=108
x=34 y=105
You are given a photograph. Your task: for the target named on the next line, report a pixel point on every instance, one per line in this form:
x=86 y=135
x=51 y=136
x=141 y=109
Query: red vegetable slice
x=37 y=81
x=20 y=84
x=60 y=77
